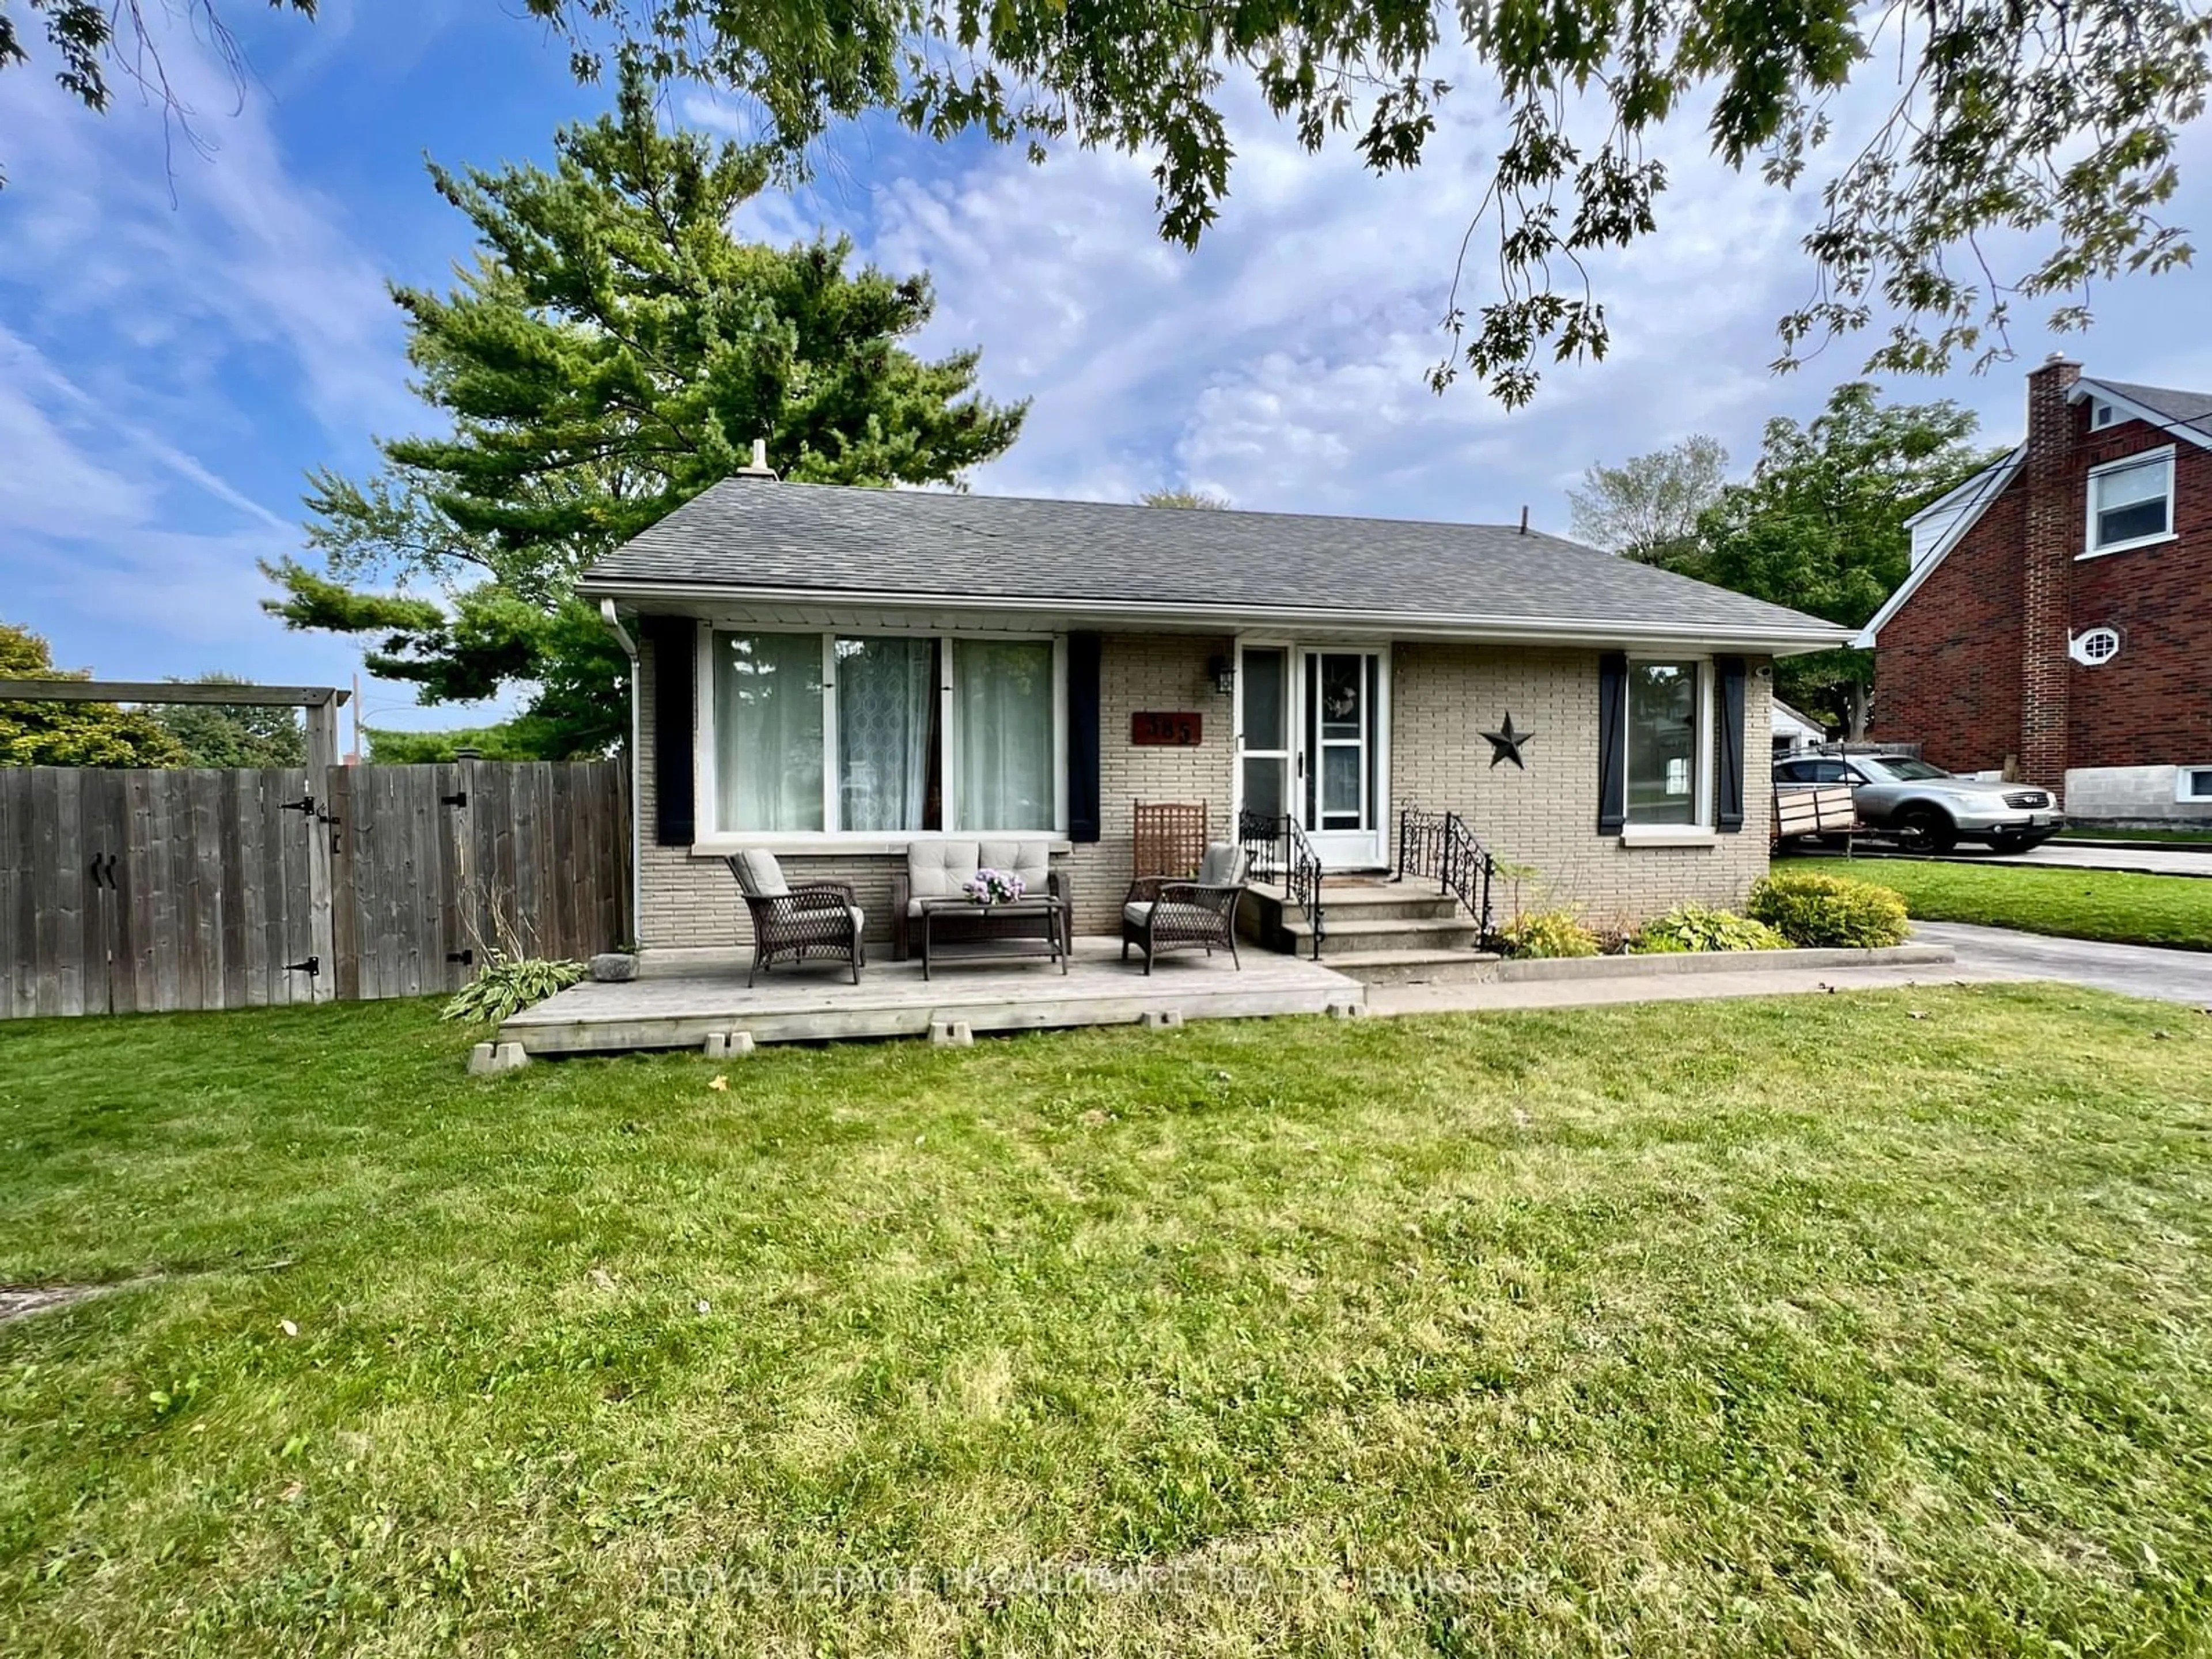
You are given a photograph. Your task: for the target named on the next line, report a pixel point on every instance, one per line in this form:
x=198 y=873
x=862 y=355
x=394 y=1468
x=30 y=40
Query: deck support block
x=489 y=1058
x=1162 y=1019
x=1347 y=1010
x=729 y=1045
x=952 y=1034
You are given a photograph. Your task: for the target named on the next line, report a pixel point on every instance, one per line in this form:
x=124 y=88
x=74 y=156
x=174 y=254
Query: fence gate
x=140 y=890
x=437 y=865
x=144 y=890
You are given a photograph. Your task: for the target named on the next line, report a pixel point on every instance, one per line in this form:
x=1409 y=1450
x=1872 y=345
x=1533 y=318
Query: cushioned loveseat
x=940 y=869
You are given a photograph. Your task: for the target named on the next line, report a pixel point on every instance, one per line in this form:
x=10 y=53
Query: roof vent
x=758 y=466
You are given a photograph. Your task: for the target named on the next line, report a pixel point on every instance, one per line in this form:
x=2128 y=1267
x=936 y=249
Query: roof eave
x=2142 y=411
x=1541 y=631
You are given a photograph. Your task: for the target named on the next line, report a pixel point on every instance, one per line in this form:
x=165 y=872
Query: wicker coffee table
x=982 y=933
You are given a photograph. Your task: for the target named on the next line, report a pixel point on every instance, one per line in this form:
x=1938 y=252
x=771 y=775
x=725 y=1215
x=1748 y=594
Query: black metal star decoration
x=1505 y=745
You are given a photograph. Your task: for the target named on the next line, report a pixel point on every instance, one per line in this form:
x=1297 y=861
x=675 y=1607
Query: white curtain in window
x=768 y=731
x=1004 y=692
x=886 y=725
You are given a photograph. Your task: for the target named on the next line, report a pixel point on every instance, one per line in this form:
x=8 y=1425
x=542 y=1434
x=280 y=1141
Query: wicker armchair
x=1172 y=916
x=818 y=920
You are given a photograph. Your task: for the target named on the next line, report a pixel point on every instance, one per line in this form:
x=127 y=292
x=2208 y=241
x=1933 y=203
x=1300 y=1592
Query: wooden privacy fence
x=126 y=891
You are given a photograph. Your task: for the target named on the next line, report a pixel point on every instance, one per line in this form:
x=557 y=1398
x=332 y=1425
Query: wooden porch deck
x=683 y=998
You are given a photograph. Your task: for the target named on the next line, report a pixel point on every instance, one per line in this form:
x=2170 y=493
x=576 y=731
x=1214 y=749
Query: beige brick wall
x=685 y=900
x=1164 y=671
x=1445 y=697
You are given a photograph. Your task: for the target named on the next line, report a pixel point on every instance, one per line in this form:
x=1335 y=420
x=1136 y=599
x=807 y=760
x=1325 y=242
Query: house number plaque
x=1159 y=730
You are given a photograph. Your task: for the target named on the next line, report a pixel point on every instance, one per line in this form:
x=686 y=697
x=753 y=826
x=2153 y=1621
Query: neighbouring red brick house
x=2056 y=624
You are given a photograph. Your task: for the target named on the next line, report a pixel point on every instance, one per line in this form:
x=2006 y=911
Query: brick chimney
x=2054 y=537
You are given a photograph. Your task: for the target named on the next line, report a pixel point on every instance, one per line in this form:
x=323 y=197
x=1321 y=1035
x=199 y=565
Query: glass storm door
x=1264 y=721
x=1339 y=793
x=1311 y=721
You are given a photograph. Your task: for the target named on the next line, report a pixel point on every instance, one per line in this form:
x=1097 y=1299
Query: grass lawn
x=1855 y=1324
x=2118 y=905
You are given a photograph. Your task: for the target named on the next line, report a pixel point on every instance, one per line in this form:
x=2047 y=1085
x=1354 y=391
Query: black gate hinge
x=467 y=958
x=312 y=967
x=305 y=803
x=460 y=798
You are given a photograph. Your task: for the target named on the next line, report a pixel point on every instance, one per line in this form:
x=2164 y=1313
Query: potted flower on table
x=989 y=887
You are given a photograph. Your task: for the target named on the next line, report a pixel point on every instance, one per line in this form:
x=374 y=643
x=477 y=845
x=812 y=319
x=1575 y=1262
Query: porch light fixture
x=1224 y=671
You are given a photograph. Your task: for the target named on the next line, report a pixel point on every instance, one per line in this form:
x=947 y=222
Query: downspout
x=637 y=841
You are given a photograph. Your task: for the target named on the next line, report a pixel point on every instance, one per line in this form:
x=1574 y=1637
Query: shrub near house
x=1817 y=911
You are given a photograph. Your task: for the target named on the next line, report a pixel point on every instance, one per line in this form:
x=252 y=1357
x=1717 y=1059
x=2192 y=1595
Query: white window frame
x=2127 y=463
x=1701 y=831
x=711 y=837
x=2182 y=793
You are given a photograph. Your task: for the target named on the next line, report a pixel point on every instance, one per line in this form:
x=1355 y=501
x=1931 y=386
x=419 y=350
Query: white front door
x=1312 y=724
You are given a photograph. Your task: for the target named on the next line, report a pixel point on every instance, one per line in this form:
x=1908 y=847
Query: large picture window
x=888 y=747
x=1665 y=747
x=767 y=726
x=2131 y=502
x=1003 y=689
x=884 y=734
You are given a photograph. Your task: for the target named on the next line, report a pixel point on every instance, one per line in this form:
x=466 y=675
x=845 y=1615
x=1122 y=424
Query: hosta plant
x=506 y=986
x=1689 y=927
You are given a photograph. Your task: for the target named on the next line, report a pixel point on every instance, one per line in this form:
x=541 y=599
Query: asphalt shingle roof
x=816 y=540
x=2190 y=409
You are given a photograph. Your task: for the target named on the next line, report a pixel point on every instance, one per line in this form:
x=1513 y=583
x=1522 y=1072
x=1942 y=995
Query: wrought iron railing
x=1282 y=857
x=1439 y=846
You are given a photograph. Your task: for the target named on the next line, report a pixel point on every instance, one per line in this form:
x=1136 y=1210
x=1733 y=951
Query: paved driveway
x=1989 y=953
x=2067 y=855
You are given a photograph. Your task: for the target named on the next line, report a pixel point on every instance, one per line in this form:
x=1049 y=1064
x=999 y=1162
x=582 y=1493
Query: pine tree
x=614 y=351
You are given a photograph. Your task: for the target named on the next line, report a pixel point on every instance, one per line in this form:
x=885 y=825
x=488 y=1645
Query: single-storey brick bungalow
x=831 y=673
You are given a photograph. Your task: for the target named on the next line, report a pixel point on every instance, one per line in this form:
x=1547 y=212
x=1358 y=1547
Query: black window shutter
x=675 y=670
x=1728 y=771
x=1083 y=803
x=1612 y=740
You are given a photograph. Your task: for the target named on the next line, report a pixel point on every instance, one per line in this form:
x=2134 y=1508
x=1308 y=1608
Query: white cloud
x=168 y=266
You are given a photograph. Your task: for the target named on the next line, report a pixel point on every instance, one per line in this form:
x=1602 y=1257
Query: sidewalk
x=1684 y=987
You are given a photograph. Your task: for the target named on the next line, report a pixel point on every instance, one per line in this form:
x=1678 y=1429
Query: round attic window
x=2096 y=645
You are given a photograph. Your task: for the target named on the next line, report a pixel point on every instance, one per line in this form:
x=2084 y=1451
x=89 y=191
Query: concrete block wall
x=1445 y=697
x=2132 y=797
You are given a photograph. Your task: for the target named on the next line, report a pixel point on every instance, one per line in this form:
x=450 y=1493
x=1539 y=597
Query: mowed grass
x=1855 y=1324
x=2118 y=905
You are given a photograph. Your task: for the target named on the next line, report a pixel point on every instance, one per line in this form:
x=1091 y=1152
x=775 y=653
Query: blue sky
x=180 y=341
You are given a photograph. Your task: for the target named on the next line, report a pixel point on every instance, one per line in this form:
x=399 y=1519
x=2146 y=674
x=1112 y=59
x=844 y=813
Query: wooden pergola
x=320 y=702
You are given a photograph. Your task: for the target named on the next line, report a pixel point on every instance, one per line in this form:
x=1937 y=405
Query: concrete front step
x=1366 y=901
x=1413 y=967
x=1344 y=936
